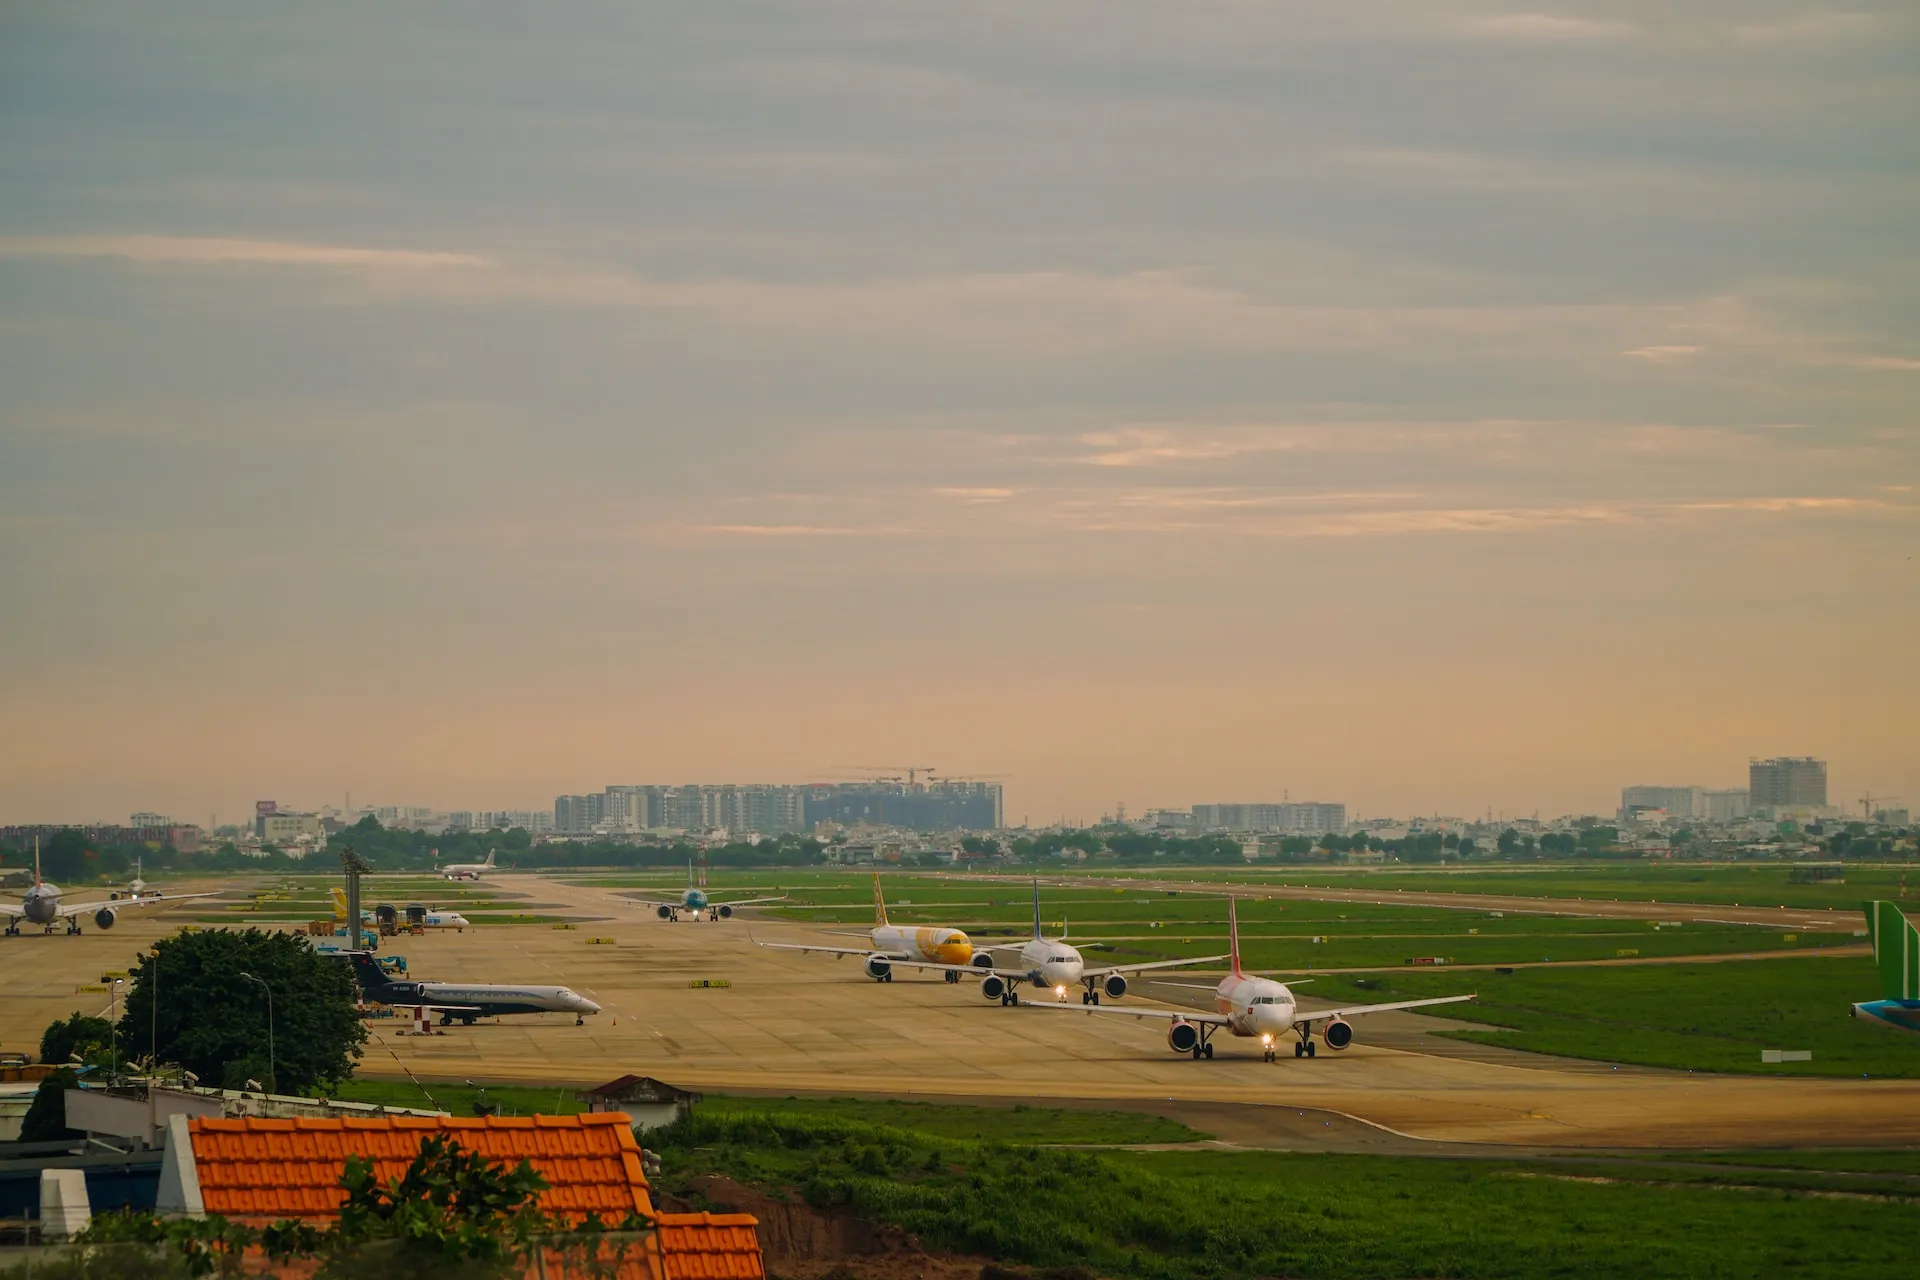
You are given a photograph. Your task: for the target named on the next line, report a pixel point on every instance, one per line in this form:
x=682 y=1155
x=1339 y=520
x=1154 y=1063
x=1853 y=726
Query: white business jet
x=1252 y=1006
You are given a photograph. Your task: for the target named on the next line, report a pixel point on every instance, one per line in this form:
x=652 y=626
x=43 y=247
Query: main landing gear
x=1091 y=995
x=1009 y=997
x=951 y=975
x=1304 y=1049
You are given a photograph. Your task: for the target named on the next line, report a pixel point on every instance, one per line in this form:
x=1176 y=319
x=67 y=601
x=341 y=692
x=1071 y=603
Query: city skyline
x=1439 y=406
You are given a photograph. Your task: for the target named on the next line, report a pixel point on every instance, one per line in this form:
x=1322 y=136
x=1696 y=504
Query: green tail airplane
x=1896 y=952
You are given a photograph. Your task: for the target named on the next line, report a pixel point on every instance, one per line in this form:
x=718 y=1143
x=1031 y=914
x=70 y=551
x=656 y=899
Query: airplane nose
x=585 y=1005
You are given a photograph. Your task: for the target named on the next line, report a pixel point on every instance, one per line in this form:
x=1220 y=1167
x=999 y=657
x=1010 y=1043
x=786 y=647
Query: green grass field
x=1175 y=1215
x=1018 y=1123
x=1705 y=1017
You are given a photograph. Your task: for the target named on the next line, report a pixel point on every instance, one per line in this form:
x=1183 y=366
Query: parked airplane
x=1044 y=962
x=468 y=870
x=695 y=900
x=41 y=905
x=1251 y=1006
x=467 y=1001
x=1896 y=951
x=891 y=943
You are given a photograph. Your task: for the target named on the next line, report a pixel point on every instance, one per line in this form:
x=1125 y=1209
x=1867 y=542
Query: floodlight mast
x=355 y=866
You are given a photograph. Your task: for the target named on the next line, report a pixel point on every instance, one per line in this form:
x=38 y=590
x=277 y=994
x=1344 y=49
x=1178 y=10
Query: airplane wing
x=745 y=902
x=1157 y=964
x=826 y=950
x=8 y=909
x=1133 y=1011
x=120 y=904
x=1355 y=1010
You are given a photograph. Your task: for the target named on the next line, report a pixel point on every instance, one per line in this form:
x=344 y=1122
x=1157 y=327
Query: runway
x=813 y=1024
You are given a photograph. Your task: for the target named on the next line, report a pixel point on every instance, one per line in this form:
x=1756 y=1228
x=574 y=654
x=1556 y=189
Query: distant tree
x=46 y=1118
x=80 y=1036
x=1467 y=847
x=65 y=856
x=210 y=1017
x=1509 y=842
x=1451 y=841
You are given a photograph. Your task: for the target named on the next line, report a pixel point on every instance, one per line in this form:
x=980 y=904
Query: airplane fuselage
x=1050 y=963
x=938 y=946
x=41 y=905
x=1255 y=1006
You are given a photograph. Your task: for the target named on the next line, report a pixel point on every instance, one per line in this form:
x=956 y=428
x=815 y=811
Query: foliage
x=450 y=1204
x=1198 y=1215
x=80 y=1036
x=956 y=1120
x=210 y=1016
x=46 y=1118
x=452 y=1213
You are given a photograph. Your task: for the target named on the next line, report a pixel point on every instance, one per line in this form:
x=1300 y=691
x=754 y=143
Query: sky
x=1431 y=405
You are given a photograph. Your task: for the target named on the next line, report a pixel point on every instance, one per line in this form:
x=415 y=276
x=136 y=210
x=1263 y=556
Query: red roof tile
x=275 y=1169
x=710 y=1246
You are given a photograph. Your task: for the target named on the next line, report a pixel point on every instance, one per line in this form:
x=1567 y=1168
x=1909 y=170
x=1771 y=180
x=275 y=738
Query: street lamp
x=272 y=1071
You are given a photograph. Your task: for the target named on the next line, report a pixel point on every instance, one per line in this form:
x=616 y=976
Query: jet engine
x=104 y=918
x=981 y=960
x=726 y=912
x=1182 y=1036
x=878 y=969
x=993 y=986
x=664 y=912
x=1338 y=1034
x=1115 y=986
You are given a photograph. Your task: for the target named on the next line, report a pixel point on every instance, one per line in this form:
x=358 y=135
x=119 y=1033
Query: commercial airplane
x=891 y=943
x=695 y=900
x=467 y=1001
x=1896 y=951
x=41 y=905
x=467 y=870
x=1251 y=1006
x=1044 y=962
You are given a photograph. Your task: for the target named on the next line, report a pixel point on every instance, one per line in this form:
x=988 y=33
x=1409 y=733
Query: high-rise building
x=1728 y=805
x=1676 y=802
x=1293 y=817
x=1786 y=782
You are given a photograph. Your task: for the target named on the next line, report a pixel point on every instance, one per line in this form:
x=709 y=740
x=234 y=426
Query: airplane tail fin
x=1036 y=909
x=879 y=903
x=490 y=854
x=36 y=862
x=1896 y=950
x=1233 y=936
x=366 y=972
x=339 y=903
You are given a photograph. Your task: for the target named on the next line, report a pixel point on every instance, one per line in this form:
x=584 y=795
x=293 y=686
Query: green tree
x=210 y=1016
x=79 y=1037
x=1509 y=842
x=46 y=1118
x=65 y=856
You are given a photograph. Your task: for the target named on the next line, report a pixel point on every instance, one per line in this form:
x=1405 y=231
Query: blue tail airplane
x=1896 y=952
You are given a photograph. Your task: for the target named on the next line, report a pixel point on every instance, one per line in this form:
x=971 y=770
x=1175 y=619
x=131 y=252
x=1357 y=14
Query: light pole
x=272 y=1071
x=153 y=1007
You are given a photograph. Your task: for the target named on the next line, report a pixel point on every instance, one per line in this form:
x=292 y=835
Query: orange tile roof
x=270 y=1170
x=710 y=1246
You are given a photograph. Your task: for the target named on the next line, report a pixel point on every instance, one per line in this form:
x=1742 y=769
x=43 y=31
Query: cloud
x=1808 y=28
x=1901 y=364
x=1662 y=354
x=217 y=251
x=976 y=496
x=1552 y=27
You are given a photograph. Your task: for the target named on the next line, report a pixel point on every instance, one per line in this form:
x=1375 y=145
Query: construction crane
x=1869 y=800
x=891 y=772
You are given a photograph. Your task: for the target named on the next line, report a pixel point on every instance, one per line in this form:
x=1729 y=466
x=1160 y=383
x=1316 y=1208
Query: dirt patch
x=800 y=1242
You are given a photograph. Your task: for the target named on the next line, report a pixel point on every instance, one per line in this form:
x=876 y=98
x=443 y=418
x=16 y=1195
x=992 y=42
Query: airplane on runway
x=891 y=943
x=467 y=1001
x=1896 y=950
x=1044 y=962
x=42 y=906
x=467 y=870
x=1253 y=1006
x=695 y=900
x=413 y=915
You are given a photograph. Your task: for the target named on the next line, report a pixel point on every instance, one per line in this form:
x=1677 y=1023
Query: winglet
x=879 y=903
x=1233 y=937
x=1896 y=950
x=1036 y=909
